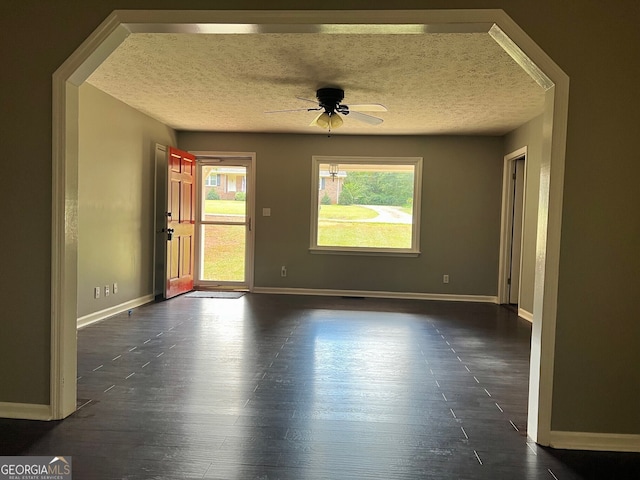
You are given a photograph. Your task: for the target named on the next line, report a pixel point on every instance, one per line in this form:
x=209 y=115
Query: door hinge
x=514 y=175
x=508 y=281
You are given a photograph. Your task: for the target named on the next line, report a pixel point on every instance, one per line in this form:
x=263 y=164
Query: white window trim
x=414 y=251
x=214 y=183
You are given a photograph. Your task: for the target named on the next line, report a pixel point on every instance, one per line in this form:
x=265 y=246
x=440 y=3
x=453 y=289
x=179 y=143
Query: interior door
x=180 y=223
x=516 y=236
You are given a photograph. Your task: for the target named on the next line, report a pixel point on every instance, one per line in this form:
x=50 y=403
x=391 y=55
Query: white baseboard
x=377 y=294
x=26 y=411
x=111 y=311
x=609 y=442
x=526 y=315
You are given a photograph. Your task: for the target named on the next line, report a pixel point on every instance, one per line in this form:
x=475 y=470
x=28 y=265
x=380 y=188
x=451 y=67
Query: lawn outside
x=366 y=235
x=345 y=212
x=364 y=226
x=338 y=226
x=225 y=207
x=224 y=253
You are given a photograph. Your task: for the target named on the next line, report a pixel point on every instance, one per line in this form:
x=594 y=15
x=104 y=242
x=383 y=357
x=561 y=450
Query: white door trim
x=76 y=69
x=506 y=222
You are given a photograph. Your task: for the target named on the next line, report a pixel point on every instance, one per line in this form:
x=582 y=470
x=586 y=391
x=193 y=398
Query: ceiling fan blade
x=363 y=117
x=294 y=110
x=308 y=100
x=367 y=107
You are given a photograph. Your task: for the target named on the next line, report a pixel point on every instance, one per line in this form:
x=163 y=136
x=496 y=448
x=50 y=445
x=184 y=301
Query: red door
x=180 y=226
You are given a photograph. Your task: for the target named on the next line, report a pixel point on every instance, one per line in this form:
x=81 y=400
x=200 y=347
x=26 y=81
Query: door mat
x=215 y=294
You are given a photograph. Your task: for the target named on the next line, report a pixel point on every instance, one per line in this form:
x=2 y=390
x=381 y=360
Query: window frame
x=413 y=251
x=215 y=183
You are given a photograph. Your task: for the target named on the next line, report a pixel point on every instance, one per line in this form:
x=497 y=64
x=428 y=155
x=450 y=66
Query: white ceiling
x=434 y=83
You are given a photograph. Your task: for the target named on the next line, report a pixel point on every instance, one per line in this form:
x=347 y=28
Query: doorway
x=112 y=32
x=518 y=172
x=224 y=225
x=512 y=235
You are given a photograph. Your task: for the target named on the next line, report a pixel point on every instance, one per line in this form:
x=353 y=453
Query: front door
x=225 y=252
x=180 y=223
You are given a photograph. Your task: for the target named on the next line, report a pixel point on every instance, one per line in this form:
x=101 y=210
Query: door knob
x=169 y=234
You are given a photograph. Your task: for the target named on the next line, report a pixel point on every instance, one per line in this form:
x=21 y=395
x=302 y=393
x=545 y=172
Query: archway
x=117 y=26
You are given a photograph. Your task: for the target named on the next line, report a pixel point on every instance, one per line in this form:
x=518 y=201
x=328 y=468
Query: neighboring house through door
x=226 y=182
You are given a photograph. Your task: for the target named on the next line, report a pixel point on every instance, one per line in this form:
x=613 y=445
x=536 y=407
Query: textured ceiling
x=445 y=83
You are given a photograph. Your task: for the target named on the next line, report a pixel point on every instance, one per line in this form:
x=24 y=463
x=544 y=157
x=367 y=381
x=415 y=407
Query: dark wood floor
x=290 y=387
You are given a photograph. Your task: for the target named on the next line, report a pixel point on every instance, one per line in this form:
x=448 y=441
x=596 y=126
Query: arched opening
x=115 y=29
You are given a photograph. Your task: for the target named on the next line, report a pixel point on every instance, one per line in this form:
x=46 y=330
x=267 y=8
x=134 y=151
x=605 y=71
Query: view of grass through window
x=368 y=205
x=365 y=205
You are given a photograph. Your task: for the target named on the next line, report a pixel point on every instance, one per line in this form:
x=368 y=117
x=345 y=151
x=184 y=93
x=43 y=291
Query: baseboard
x=377 y=294
x=522 y=313
x=609 y=442
x=25 y=411
x=115 y=310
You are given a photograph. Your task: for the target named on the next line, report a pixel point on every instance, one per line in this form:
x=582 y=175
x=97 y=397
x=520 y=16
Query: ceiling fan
x=328 y=103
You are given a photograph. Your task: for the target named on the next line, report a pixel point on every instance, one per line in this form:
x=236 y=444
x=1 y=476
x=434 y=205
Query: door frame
x=204 y=157
x=506 y=223
x=159 y=203
x=121 y=23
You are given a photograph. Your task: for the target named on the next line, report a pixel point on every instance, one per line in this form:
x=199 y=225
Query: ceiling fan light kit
x=327 y=121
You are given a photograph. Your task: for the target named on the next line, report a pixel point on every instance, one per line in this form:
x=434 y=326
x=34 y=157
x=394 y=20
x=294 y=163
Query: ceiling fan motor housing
x=330 y=98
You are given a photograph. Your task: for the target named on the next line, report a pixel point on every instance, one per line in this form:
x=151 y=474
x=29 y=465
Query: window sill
x=373 y=252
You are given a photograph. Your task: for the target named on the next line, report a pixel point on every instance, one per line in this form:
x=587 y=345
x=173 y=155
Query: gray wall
x=597 y=373
x=530 y=136
x=462 y=186
x=115 y=199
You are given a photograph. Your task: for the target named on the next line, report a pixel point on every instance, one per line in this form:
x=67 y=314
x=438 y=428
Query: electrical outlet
x=106 y=290
x=283 y=271
x=115 y=288
x=96 y=292
x=445 y=279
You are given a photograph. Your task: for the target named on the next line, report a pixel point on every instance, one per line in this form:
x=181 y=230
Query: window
x=366 y=205
x=213 y=180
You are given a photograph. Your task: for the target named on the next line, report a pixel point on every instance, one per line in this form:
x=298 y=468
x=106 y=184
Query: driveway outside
x=388 y=214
